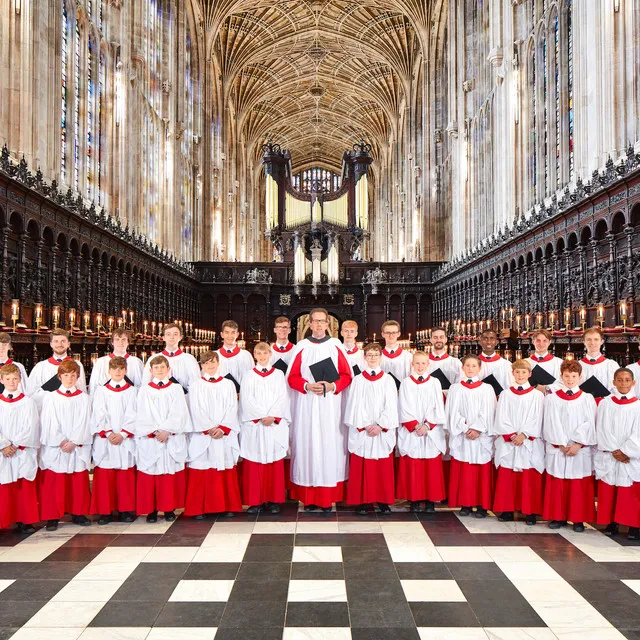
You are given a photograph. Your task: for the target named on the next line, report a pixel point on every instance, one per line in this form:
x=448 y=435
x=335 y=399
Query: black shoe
x=327 y=509
x=634 y=533
x=127 y=516
x=557 y=524
x=385 y=509
x=465 y=511
x=25 y=528
x=51 y=525
x=310 y=507
x=228 y=514
x=578 y=527
x=481 y=512
x=200 y=516
x=152 y=517
x=429 y=507
x=169 y=516
x=362 y=509
x=104 y=519
x=531 y=519
x=414 y=507
x=611 y=530
x=506 y=516
x=274 y=508
x=254 y=509
x=83 y=521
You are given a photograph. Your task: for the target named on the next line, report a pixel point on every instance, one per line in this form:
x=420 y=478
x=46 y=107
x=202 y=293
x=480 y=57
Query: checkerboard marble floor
x=333 y=576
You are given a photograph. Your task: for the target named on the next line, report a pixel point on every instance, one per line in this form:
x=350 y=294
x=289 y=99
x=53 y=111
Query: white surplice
x=397 y=361
x=450 y=366
x=601 y=368
x=182 y=366
x=24 y=378
x=43 y=372
x=20 y=427
x=236 y=362
x=635 y=369
x=100 y=373
x=497 y=366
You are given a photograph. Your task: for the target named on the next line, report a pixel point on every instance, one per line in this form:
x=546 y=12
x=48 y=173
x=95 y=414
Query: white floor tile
x=523 y=527
x=463 y=554
x=513 y=554
x=202 y=591
x=115 y=633
x=171 y=633
x=317 y=554
x=414 y=528
x=451 y=633
x=30 y=553
x=226 y=540
x=632 y=584
x=528 y=571
x=140 y=525
x=317 y=591
x=121 y=554
x=48 y=633
x=484 y=525
x=171 y=554
x=415 y=554
x=359 y=527
x=592 y=633
x=274 y=527
x=317 y=527
x=232 y=527
x=316 y=633
x=5 y=583
x=432 y=591
x=220 y=554
x=107 y=571
x=87 y=591
x=65 y=614
x=570 y=614
x=520 y=633
x=547 y=590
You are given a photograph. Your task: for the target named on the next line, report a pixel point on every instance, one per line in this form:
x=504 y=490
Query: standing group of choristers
x=212 y=435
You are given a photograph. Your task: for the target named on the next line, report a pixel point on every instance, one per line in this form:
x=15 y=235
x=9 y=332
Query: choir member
x=100 y=373
x=5 y=346
x=264 y=433
x=395 y=360
x=65 y=451
x=355 y=356
x=495 y=370
x=184 y=368
x=162 y=420
x=44 y=378
x=617 y=459
x=19 y=442
x=441 y=363
x=470 y=413
x=544 y=365
x=519 y=449
x=421 y=437
x=372 y=418
x=281 y=349
x=114 y=447
x=595 y=365
x=234 y=361
x=569 y=433
x=318 y=437
x=212 y=477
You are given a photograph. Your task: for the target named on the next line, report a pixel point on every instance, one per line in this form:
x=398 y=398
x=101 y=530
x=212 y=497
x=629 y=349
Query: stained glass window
x=316 y=179
x=100 y=123
x=545 y=112
x=556 y=80
x=570 y=85
x=90 y=121
x=63 y=94
x=187 y=142
x=76 y=108
x=533 y=105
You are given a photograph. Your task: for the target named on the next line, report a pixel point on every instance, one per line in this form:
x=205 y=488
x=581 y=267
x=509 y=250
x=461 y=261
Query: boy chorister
x=5 y=345
x=44 y=378
x=542 y=358
x=264 y=433
x=234 y=361
x=470 y=412
x=183 y=366
x=617 y=459
x=372 y=418
x=212 y=477
x=492 y=363
x=135 y=368
x=19 y=442
x=114 y=448
x=594 y=363
x=519 y=449
x=282 y=349
x=162 y=420
x=569 y=433
x=395 y=360
x=65 y=452
x=355 y=356
x=421 y=437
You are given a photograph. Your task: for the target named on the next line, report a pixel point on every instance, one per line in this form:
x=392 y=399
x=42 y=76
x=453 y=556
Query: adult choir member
x=100 y=373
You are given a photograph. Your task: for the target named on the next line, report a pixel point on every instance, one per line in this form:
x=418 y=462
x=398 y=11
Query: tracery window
x=63 y=93
x=317 y=179
x=187 y=149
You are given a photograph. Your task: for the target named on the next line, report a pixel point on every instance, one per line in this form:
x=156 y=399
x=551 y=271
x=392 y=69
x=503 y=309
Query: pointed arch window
x=316 y=179
x=64 y=88
x=91 y=120
x=76 y=106
x=570 y=85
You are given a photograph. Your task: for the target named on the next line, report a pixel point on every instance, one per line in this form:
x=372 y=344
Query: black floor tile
x=257 y=590
x=15 y=614
x=74 y=554
x=444 y=614
x=271 y=540
x=151 y=582
x=395 y=633
x=15 y=570
x=262 y=553
x=372 y=570
x=54 y=570
x=96 y=540
x=180 y=540
x=190 y=614
x=255 y=614
x=363 y=555
x=380 y=614
x=581 y=570
x=456 y=540
x=476 y=571
x=622 y=570
x=317 y=571
x=317 y=614
x=5 y=634
x=261 y=633
x=136 y=540
x=318 y=539
x=364 y=540
x=212 y=571
x=366 y=590
x=264 y=571
x=423 y=571
x=30 y=590
x=128 y=614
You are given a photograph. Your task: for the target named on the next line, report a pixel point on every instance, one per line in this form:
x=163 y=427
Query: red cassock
x=470 y=406
x=520 y=469
x=373 y=400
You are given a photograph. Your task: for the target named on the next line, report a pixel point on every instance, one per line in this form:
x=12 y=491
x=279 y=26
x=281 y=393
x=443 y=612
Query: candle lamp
x=488 y=324
x=86 y=321
x=511 y=317
x=38 y=316
x=601 y=315
x=539 y=321
x=110 y=323
x=15 y=311
x=145 y=326
x=583 y=318
x=94 y=358
x=567 y=319
x=160 y=328
x=55 y=316
x=518 y=322
x=120 y=323
x=98 y=322
x=503 y=316
x=623 y=313
x=527 y=322
x=153 y=328
x=72 y=318
x=131 y=317
x=258 y=336
x=552 y=320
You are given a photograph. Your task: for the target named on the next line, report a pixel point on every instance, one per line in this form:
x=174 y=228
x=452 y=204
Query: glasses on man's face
x=390 y=333
x=319 y=322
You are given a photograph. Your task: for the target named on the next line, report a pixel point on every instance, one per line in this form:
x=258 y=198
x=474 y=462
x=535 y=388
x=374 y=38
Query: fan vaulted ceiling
x=315 y=76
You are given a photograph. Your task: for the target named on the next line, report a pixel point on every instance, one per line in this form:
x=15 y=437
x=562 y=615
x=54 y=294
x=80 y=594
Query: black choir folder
x=356 y=370
x=540 y=376
x=324 y=371
x=438 y=374
x=593 y=386
x=52 y=384
x=497 y=387
x=395 y=380
x=235 y=382
x=281 y=365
